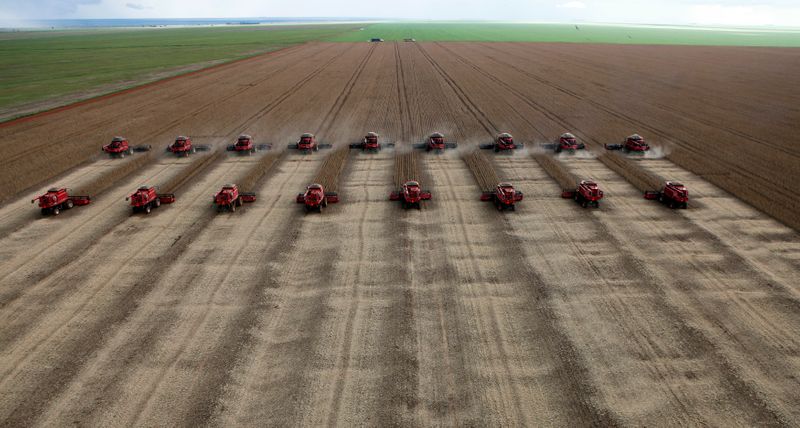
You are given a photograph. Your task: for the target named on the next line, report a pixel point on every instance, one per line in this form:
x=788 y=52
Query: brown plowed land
x=367 y=314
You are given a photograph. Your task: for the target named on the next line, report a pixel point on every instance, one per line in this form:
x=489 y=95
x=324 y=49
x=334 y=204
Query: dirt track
x=630 y=314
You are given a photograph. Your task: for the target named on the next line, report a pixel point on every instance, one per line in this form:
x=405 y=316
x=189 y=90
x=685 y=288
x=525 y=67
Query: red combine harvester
x=183 y=146
x=634 y=143
x=57 y=199
x=410 y=195
x=566 y=143
x=504 y=142
x=145 y=198
x=229 y=197
x=316 y=198
x=674 y=195
x=245 y=144
x=308 y=143
x=370 y=143
x=436 y=143
x=587 y=193
x=504 y=196
x=119 y=147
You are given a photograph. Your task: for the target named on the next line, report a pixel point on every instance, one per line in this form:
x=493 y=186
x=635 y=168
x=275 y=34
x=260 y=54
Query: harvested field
x=634 y=314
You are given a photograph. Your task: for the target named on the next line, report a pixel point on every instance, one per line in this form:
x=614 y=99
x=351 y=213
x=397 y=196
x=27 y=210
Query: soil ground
x=456 y=314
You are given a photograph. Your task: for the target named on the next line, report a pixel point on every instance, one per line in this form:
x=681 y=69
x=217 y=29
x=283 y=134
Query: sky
x=680 y=12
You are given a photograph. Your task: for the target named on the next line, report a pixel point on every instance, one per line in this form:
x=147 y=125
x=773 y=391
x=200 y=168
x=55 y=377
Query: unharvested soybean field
x=456 y=314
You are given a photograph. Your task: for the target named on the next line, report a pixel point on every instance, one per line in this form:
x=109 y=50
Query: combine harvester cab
x=119 y=147
x=504 y=197
x=566 y=143
x=411 y=195
x=57 y=199
x=436 y=143
x=246 y=145
x=316 y=198
x=674 y=195
x=587 y=193
x=371 y=143
x=183 y=146
x=633 y=144
x=504 y=142
x=145 y=198
x=229 y=197
x=307 y=143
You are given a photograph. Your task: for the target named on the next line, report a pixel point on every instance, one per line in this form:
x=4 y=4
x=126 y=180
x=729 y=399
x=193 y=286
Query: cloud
x=38 y=8
x=136 y=6
x=573 y=5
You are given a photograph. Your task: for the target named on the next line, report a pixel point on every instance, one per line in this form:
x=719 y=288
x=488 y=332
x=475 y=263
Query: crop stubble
x=481 y=327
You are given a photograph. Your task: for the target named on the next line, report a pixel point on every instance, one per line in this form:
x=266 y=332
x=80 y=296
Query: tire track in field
x=746 y=395
x=330 y=117
x=579 y=386
x=144 y=341
x=256 y=116
x=474 y=110
x=74 y=251
x=62 y=369
x=347 y=342
x=9 y=224
x=567 y=362
x=214 y=389
x=286 y=94
x=421 y=234
x=407 y=126
x=205 y=407
x=685 y=145
x=277 y=102
x=624 y=316
x=238 y=329
x=682 y=114
x=32 y=150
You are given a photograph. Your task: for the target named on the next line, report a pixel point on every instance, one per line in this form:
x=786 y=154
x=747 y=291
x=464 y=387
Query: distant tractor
x=307 y=143
x=315 y=198
x=410 y=195
x=674 y=195
x=436 y=143
x=504 y=142
x=370 y=143
x=245 y=145
x=587 y=193
x=145 y=198
x=58 y=199
x=633 y=144
x=229 y=197
x=504 y=196
x=376 y=40
x=566 y=143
